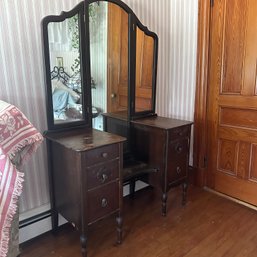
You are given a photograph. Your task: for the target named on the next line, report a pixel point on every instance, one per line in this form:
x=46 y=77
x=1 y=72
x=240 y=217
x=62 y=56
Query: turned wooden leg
x=164 y=204
x=83 y=242
x=184 y=194
x=119 y=229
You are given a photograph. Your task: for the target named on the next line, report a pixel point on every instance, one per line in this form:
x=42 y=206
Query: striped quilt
x=18 y=140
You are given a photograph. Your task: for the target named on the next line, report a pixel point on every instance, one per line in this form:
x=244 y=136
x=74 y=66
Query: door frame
x=200 y=113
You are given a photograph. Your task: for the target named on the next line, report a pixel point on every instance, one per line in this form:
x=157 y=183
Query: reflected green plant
x=73 y=26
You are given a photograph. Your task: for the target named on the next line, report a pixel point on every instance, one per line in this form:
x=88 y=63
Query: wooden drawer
x=103 y=201
x=101 y=154
x=178 y=160
x=180 y=132
x=177 y=170
x=102 y=174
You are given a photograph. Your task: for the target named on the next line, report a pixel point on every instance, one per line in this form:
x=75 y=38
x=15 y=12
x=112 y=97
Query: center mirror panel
x=108 y=30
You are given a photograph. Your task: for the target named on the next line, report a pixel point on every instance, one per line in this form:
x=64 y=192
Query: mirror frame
x=84 y=70
x=134 y=115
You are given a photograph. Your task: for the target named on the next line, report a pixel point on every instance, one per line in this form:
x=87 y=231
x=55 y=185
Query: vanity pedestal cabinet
x=86 y=184
x=163 y=143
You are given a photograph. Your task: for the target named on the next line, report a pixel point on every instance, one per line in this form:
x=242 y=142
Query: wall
x=22 y=78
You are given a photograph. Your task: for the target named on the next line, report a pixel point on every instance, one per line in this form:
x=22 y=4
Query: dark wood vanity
x=100 y=70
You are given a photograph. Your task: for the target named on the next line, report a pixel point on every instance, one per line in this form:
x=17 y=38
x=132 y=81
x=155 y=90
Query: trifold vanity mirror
x=99 y=60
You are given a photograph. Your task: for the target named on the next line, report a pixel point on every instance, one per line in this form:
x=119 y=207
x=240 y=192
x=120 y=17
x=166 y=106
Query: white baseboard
x=35 y=229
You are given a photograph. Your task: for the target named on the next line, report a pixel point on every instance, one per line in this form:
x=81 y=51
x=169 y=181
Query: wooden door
x=232 y=99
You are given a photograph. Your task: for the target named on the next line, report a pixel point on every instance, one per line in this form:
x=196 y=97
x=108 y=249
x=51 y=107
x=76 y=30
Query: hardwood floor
x=207 y=226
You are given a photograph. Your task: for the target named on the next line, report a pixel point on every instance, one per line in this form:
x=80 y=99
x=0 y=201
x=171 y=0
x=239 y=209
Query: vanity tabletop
x=84 y=139
x=162 y=122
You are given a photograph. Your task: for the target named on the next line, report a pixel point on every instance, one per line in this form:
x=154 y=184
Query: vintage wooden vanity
x=100 y=70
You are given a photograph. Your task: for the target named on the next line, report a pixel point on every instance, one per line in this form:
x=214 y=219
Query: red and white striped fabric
x=18 y=140
x=10 y=189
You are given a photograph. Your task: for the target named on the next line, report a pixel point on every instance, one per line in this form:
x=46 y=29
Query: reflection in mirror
x=64 y=54
x=108 y=25
x=144 y=71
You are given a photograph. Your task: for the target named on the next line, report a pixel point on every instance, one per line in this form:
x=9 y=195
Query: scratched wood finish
x=207 y=225
x=231 y=109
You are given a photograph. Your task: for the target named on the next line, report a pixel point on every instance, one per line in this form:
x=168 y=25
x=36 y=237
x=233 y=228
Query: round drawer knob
x=104 y=203
x=104 y=155
x=104 y=177
x=178 y=169
x=179 y=149
x=113 y=95
x=101 y=175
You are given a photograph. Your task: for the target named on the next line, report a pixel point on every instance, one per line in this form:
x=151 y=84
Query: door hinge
x=212 y=3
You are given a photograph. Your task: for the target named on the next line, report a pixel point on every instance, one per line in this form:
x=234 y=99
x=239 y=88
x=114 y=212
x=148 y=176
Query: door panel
x=232 y=101
x=233 y=33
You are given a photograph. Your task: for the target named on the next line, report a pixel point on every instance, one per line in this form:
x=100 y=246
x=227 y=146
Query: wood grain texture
x=238 y=117
x=233 y=42
x=227 y=156
x=244 y=156
x=200 y=118
x=253 y=168
x=207 y=225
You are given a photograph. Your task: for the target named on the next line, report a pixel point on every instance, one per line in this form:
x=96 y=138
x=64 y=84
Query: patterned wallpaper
x=22 y=78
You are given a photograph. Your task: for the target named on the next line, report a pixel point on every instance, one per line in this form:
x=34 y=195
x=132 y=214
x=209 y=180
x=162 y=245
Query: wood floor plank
x=207 y=226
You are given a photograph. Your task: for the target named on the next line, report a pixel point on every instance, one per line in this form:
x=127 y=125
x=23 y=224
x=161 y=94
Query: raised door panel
x=233 y=42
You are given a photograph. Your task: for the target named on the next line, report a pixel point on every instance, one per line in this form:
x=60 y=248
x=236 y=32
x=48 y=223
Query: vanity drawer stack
x=178 y=154
x=85 y=178
x=103 y=181
x=164 y=144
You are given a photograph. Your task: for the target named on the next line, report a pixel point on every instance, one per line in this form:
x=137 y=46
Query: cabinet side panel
x=149 y=145
x=66 y=182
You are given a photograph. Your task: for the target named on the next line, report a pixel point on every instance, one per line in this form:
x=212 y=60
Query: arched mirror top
x=99 y=58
